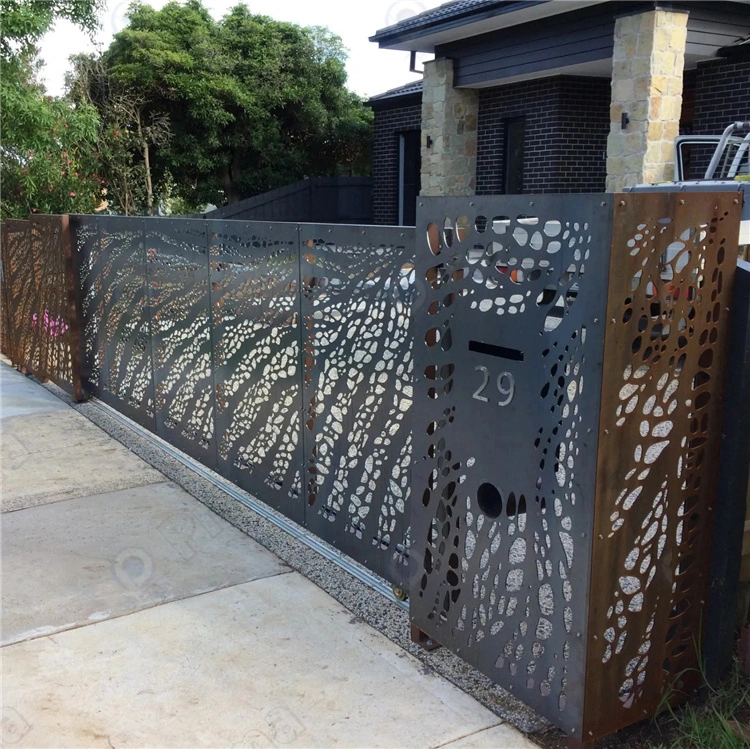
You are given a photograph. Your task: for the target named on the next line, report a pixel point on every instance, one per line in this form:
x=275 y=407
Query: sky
x=371 y=70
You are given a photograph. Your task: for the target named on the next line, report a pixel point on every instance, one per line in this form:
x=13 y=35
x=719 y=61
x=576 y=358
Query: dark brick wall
x=722 y=95
x=567 y=122
x=387 y=126
x=584 y=127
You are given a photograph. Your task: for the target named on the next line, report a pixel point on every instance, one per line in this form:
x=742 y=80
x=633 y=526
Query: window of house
x=409 y=168
x=514 y=147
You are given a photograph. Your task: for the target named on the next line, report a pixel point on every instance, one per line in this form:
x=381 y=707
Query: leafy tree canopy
x=48 y=157
x=252 y=103
x=24 y=22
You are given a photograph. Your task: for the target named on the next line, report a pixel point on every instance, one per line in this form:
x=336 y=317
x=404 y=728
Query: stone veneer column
x=647 y=67
x=449 y=120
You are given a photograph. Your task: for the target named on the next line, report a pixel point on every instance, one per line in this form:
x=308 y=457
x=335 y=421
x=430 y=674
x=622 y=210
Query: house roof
x=408 y=89
x=740 y=50
x=462 y=18
x=446 y=13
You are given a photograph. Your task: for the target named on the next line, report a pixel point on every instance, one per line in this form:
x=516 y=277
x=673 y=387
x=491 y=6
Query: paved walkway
x=135 y=617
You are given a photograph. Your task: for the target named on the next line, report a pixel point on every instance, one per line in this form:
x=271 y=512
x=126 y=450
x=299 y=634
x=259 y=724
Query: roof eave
x=395 y=102
x=472 y=23
x=388 y=37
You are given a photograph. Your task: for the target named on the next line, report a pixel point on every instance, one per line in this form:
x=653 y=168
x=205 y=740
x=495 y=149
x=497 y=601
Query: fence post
x=72 y=307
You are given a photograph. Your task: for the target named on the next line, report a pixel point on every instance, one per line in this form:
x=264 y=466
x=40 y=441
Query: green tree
x=24 y=23
x=253 y=103
x=49 y=161
x=127 y=134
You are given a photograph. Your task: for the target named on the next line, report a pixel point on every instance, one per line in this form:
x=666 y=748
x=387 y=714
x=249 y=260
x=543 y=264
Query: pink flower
x=72 y=195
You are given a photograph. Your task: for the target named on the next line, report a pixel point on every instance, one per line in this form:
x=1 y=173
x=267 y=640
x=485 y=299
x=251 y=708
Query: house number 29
x=506 y=386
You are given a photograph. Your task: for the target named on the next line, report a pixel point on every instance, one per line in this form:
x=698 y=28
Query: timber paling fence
x=514 y=412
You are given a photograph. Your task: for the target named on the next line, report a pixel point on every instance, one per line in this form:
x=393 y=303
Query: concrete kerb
x=365 y=603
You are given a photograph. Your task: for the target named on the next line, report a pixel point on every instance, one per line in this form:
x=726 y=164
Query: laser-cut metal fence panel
x=508 y=366
x=113 y=290
x=40 y=327
x=5 y=306
x=19 y=285
x=180 y=306
x=358 y=288
x=88 y=274
x=670 y=291
x=257 y=367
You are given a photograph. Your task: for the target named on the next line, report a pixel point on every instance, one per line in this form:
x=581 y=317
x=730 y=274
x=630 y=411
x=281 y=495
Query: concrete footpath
x=133 y=616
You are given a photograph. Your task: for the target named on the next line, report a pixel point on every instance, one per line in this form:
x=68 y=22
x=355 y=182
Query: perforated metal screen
x=39 y=325
x=509 y=361
x=569 y=369
x=514 y=412
x=277 y=354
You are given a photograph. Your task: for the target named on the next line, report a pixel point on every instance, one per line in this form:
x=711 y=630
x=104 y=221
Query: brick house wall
x=388 y=124
x=722 y=95
x=716 y=93
x=567 y=122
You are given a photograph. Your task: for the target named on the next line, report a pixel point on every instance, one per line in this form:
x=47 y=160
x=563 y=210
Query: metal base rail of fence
x=325 y=550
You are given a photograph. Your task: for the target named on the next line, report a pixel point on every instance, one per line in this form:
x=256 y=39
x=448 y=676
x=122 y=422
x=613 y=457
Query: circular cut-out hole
x=500 y=224
x=433 y=238
x=474 y=254
x=448 y=232
x=552 y=228
x=463 y=227
x=489 y=500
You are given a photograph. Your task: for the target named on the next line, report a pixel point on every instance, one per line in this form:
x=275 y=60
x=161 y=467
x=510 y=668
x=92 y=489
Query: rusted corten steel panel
x=4 y=303
x=40 y=329
x=18 y=299
x=672 y=268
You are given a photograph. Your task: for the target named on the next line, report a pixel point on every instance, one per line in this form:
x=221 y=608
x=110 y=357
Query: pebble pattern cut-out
x=37 y=331
x=279 y=358
x=357 y=298
x=177 y=272
x=115 y=310
x=255 y=307
x=502 y=494
x=672 y=265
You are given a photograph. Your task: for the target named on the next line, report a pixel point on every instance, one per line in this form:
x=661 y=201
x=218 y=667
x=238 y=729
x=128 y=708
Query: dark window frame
x=412 y=138
x=514 y=154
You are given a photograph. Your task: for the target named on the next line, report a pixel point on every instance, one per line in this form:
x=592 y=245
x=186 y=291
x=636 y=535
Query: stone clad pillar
x=449 y=133
x=647 y=68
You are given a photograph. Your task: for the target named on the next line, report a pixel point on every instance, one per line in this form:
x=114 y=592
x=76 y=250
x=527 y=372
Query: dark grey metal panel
x=358 y=289
x=115 y=316
x=89 y=299
x=257 y=366
x=547 y=44
x=177 y=268
x=508 y=361
x=729 y=519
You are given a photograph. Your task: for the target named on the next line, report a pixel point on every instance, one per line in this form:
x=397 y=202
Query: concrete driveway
x=133 y=616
